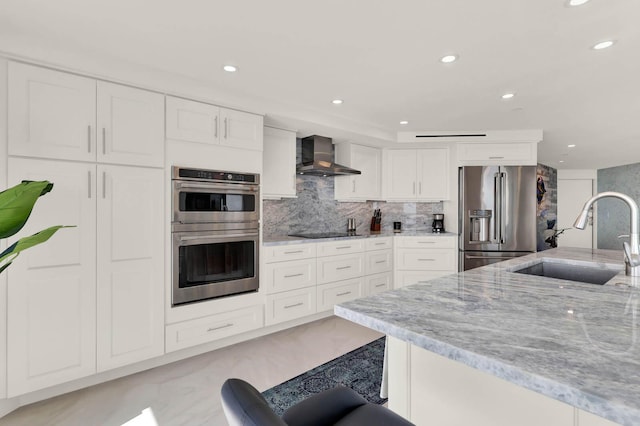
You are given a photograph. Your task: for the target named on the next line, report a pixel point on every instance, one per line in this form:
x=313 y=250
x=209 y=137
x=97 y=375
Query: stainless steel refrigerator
x=497 y=214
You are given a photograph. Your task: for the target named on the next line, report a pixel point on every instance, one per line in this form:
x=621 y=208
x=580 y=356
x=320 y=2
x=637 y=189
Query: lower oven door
x=213 y=264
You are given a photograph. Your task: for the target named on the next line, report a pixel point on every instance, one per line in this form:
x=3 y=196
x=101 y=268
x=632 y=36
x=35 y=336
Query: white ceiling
x=381 y=57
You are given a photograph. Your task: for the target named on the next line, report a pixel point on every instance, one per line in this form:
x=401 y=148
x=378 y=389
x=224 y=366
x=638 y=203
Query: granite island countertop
x=574 y=342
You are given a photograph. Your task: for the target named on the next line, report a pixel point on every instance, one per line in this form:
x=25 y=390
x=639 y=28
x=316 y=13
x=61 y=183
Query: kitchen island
x=492 y=346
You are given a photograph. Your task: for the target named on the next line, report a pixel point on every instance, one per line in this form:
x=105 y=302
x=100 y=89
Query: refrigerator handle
x=503 y=207
x=497 y=207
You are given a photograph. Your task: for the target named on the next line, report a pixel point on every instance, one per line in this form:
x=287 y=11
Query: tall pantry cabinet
x=91 y=298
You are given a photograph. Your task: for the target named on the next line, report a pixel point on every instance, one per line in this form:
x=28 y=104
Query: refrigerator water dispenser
x=480 y=225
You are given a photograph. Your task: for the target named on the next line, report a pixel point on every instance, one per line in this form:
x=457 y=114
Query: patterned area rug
x=360 y=369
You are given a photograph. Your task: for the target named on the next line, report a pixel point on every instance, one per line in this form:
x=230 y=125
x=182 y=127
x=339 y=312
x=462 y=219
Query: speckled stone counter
x=285 y=239
x=574 y=342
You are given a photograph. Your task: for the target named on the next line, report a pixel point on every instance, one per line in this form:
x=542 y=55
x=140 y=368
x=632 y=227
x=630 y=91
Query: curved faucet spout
x=632 y=250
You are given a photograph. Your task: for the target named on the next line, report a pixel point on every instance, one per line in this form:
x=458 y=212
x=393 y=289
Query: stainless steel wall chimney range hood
x=317 y=158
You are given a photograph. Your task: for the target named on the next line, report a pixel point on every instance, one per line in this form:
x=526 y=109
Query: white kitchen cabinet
x=65 y=310
x=130 y=250
x=130 y=126
x=420 y=175
x=193 y=121
x=342 y=267
x=365 y=186
x=290 y=305
x=487 y=154
x=332 y=248
x=330 y=294
x=279 y=164
x=289 y=275
x=421 y=258
x=51 y=114
x=58 y=115
x=52 y=287
x=378 y=283
x=378 y=261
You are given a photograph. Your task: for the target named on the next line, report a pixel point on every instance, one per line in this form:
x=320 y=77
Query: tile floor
x=188 y=392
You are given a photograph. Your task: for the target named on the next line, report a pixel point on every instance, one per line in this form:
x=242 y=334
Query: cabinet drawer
x=333 y=248
x=405 y=278
x=191 y=333
x=282 y=276
x=426 y=242
x=378 y=243
x=290 y=305
x=288 y=252
x=336 y=268
x=426 y=259
x=378 y=261
x=378 y=283
x=343 y=291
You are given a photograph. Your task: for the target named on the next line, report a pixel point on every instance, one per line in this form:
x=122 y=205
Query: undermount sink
x=564 y=271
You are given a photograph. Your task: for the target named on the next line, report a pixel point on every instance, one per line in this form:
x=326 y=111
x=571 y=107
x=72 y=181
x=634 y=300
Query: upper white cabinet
x=365 y=186
x=505 y=153
x=279 y=163
x=204 y=123
x=421 y=174
x=130 y=126
x=53 y=114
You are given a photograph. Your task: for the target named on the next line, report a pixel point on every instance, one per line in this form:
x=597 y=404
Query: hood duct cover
x=317 y=158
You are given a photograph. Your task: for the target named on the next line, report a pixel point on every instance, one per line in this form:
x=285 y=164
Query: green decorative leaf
x=14 y=250
x=16 y=204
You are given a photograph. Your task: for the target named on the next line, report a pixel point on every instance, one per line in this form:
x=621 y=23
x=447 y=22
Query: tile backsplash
x=315 y=210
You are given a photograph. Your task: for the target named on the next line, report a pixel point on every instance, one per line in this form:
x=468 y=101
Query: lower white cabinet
x=421 y=258
x=341 y=267
x=214 y=327
x=378 y=283
x=68 y=315
x=290 y=305
x=339 y=292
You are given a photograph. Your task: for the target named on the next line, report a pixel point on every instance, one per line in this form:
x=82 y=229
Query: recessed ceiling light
x=336 y=101
x=403 y=122
x=448 y=59
x=573 y=145
x=561 y=161
x=603 y=45
x=508 y=95
x=576 y=2
x=230 y=68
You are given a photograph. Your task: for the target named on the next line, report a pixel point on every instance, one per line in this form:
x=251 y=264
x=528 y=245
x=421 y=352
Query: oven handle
x=217 y=237
x=238 y=187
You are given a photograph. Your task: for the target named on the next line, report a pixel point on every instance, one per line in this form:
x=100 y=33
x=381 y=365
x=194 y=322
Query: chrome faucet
x=632 y=248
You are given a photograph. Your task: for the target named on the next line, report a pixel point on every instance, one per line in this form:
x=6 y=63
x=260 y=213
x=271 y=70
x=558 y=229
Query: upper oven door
x=201 y=202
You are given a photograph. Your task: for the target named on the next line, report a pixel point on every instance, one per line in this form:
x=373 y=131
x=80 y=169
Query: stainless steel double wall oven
x=215 y=230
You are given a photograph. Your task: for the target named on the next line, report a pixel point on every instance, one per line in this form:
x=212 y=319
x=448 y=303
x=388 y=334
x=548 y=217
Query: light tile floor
x=188 y=392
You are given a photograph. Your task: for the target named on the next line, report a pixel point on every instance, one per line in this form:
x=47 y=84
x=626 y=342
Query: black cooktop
x=323 y=235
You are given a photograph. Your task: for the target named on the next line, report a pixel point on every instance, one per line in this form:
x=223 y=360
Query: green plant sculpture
x=16 y=204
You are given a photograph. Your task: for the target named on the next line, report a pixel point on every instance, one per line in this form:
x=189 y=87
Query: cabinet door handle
x=343 y=267
x=215 y=127
x=104 y=141
x=89 y=138
x=426 y=260
x=343 y=294
x=294 y=305
x=219 y=327
x=225 y=128
x=354 y=186
x=104 y=184
x=293 y=275
x=420 y=188
x=381 y=261
x=342 y=247
x=380 y=285
x=379 y=244
x=495 y=158
x=292 y=252
x=89 y=183
x=426 y=242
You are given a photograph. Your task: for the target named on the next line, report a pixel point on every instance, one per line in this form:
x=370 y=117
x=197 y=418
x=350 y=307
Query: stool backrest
x=244 y=406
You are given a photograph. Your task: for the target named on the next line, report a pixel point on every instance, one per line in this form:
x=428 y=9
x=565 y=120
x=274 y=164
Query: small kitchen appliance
x=438 y=223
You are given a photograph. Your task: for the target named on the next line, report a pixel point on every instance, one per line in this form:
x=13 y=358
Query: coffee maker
x=438 y=223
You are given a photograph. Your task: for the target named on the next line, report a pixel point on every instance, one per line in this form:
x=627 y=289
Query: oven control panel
x=214 y=175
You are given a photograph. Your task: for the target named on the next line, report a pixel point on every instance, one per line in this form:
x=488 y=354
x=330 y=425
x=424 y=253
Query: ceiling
x=380 y=57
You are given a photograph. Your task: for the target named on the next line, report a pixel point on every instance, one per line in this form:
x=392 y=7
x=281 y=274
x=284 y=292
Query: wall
x=613 y=214
x=547 y=208
x=315 y=210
